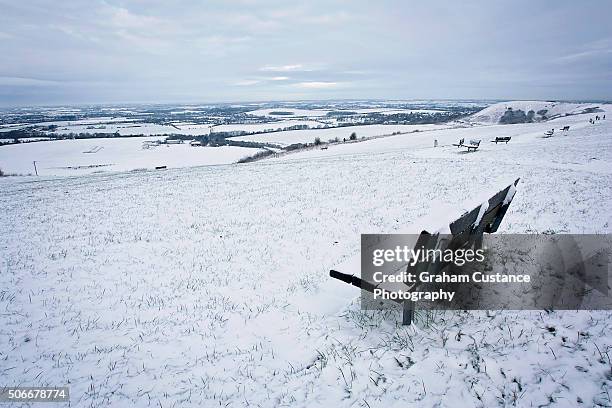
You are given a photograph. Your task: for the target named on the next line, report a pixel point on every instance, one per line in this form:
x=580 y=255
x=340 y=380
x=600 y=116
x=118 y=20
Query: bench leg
x=407 y=314
x=478 y=241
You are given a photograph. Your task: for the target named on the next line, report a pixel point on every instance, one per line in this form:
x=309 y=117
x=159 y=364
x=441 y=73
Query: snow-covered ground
x=260 y=127
x=493 y=113
x=209 y=286
x=290 y=112
x=85 y=156
x=308 y=136
x=111 y=124
x=527 y=135
x=322 y=113
x=128 y=127
x=124 y=129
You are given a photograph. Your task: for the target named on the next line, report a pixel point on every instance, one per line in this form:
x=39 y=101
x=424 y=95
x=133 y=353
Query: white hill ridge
x=543 y=110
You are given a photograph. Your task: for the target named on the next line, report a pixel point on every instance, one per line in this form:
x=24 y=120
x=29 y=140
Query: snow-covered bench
x=503 y=139
x=465 y=231
x=460 y=144
x=473 y=145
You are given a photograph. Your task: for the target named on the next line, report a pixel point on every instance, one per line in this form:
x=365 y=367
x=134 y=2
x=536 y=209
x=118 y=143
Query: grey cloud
x=78 y=51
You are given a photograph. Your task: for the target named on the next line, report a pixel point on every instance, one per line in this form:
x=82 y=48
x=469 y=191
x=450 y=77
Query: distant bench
x=503 y=139
x=472 y=146
x=465 y=232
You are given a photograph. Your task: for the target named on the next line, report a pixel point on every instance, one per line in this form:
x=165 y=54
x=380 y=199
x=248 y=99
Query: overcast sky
x=90 y=51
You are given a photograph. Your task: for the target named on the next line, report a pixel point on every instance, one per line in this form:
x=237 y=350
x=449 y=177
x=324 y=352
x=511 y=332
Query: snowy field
x=100 y=124
x=124 y=129
x=208 y=286
x=260 y=127
x=322 y=113
x=85 y=156
x=308 y=136
x=127 y=129
x=123 y=126
x=290 y=112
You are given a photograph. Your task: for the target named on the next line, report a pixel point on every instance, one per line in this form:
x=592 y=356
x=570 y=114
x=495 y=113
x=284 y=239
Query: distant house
x=174 y=141
x=195 y=143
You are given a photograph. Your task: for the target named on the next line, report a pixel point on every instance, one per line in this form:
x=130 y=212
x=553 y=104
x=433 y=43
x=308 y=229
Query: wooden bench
x=472 y=146
x=460 y=144
x=464 y=232
x=503 y=139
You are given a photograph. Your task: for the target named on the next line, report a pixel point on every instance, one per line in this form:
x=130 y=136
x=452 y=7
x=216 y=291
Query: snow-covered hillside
x=208 y=286
x=527 y=142
x=308 y=136
x=541 y=110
